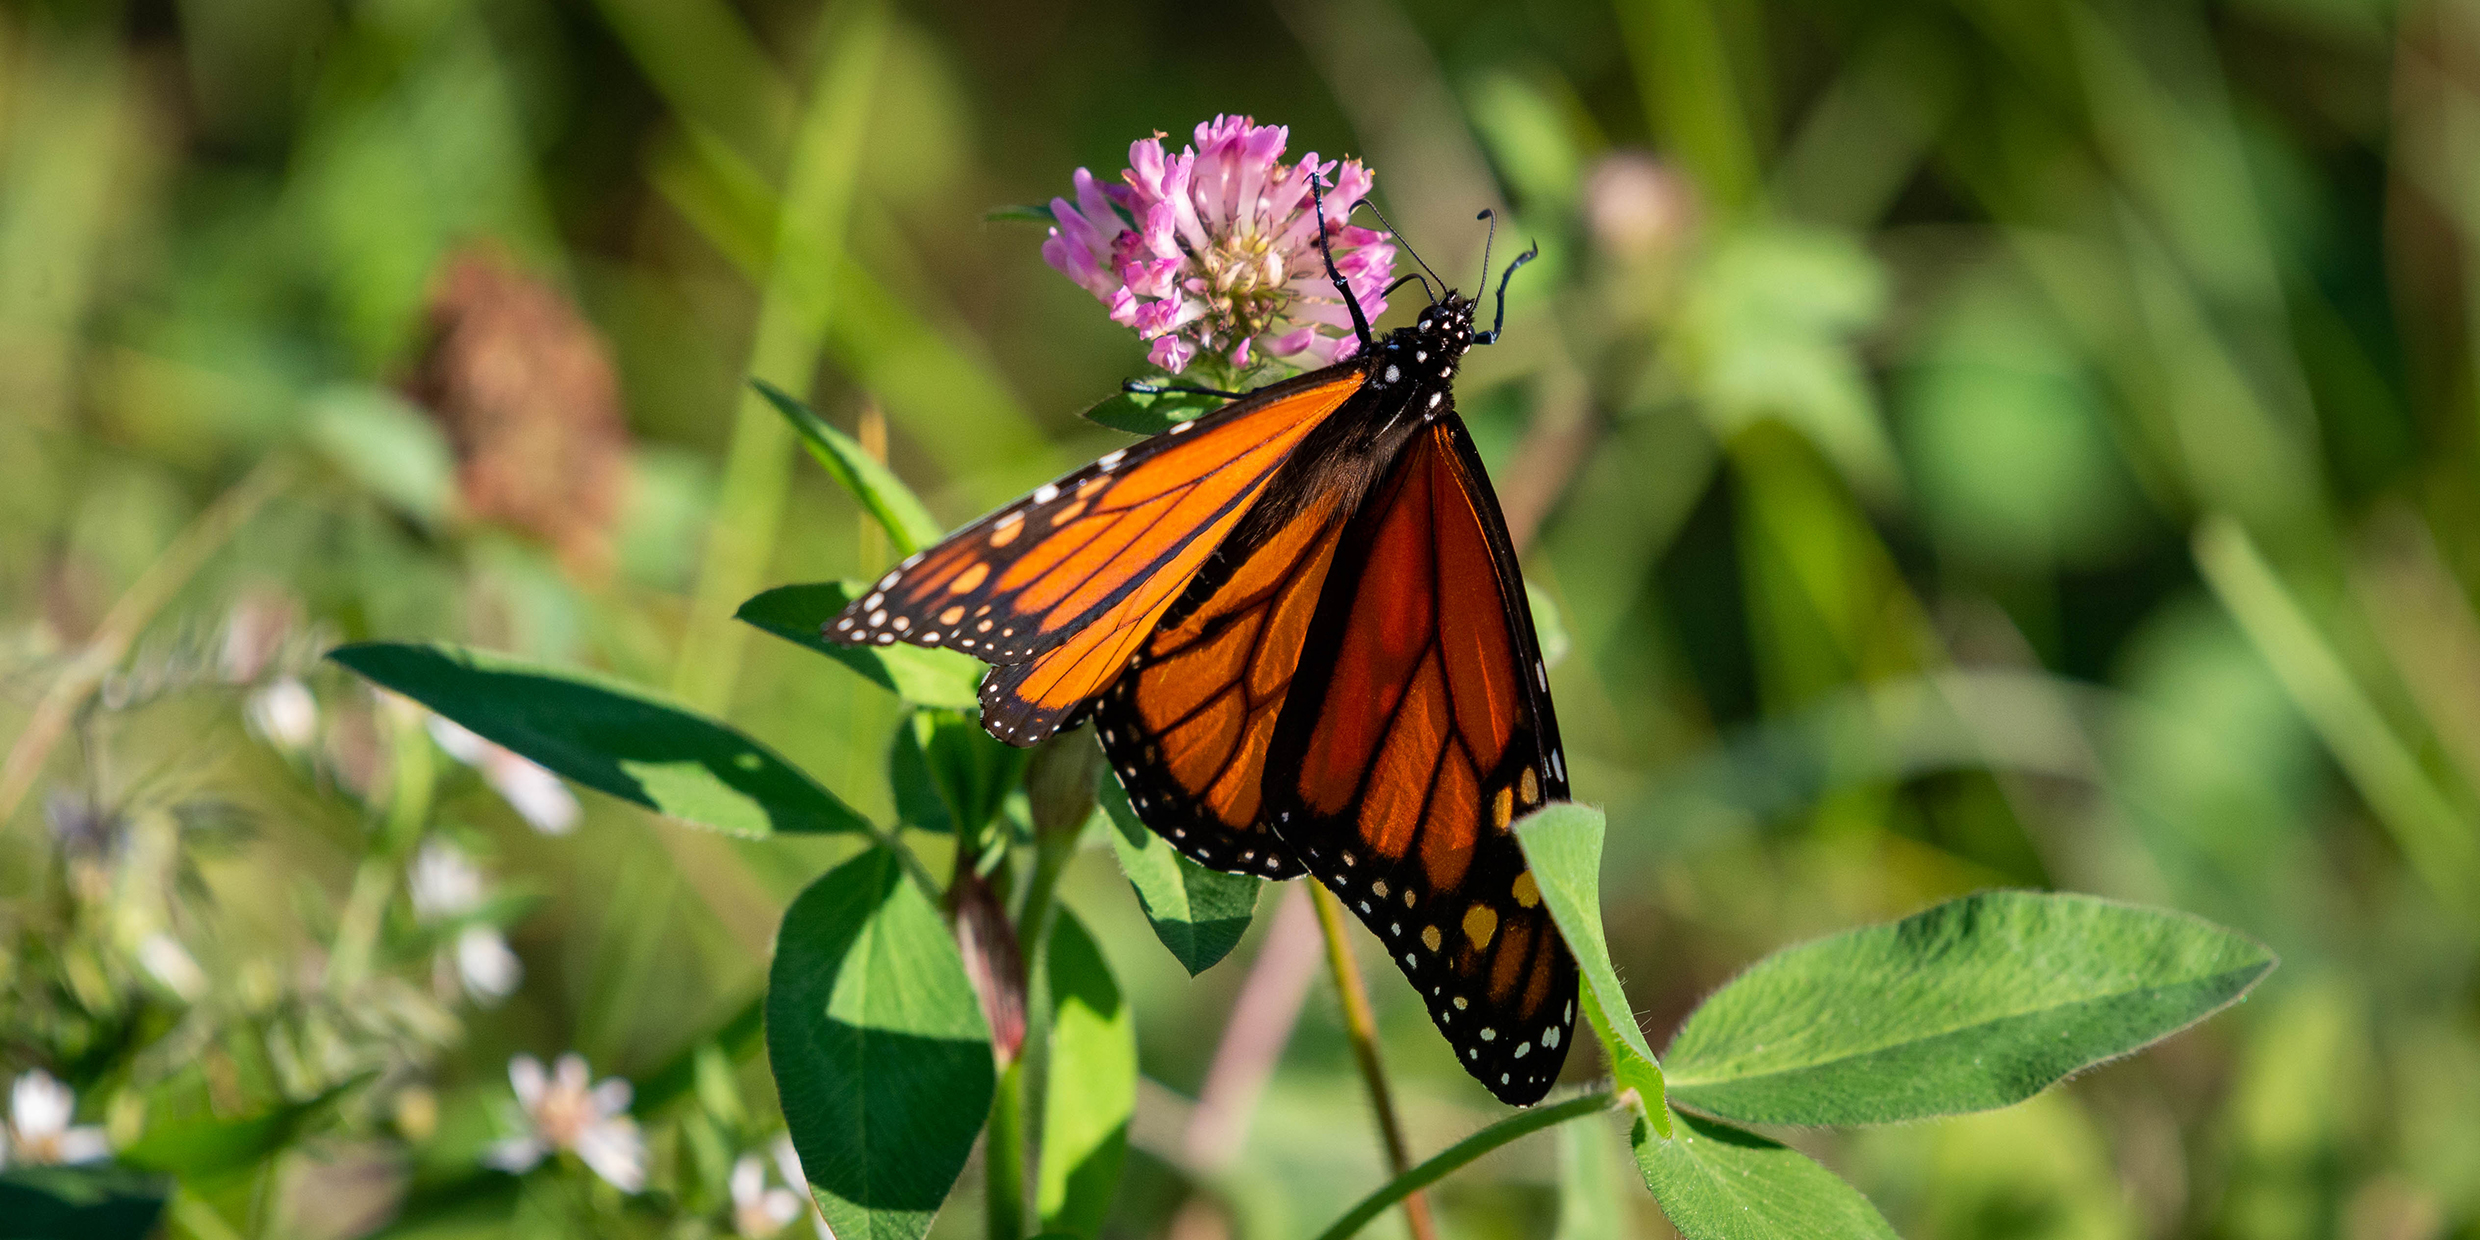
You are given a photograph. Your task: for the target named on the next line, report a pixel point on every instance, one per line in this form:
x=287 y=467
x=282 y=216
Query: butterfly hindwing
x=1187 y=727
x=1417 y=728
x=1058 y=588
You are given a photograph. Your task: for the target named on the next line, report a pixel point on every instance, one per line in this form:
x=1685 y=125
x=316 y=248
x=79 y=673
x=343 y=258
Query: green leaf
x=1092 y=1088
x=1152 y=413
x=971 y=770
x=196 y=1148
x=1549 y=625
x=799 y=614
x=1035 y=214
x=104 y=1202
x=918 y=803
x=1563 y=845
x=880 y=1053
x=1975 y=1004
x=1198 y=913
x=388 y=446
x=908 y=522
x=1715 y=1182
x=610 y=736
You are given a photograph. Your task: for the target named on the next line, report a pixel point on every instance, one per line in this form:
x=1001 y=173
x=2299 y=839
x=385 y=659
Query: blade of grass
x=2434 y=838
x=792 y=327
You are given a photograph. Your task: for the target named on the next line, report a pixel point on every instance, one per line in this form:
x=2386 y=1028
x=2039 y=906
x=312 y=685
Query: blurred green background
x=1966 y=442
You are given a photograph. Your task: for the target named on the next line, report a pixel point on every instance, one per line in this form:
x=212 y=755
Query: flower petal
x=515 y=1155
x=525 y=1075
x=615 y=1151
x=40 y=1106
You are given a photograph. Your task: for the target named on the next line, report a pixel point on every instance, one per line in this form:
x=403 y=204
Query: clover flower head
x=1215 y=249
x=567 y=1110
x=536 y=794
x=39 y=1132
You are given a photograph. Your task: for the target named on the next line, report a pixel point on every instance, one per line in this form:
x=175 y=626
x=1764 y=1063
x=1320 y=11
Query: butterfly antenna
x=1414 y=278
x=1360 y=321
x=1499 y=324
x=1486 y=240
x=1399 y=240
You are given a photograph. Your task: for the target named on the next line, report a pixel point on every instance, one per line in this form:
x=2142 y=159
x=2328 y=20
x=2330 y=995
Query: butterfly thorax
x=1410 y=371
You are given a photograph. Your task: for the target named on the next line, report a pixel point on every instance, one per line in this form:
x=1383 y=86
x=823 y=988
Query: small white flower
x=445 y=885
x=567 y=1111
x=39 y=1132
x=537 y=795
x=284 y=713
x=444 y=882
x=485 y=964
x=788 y=1164
x=758 y=1210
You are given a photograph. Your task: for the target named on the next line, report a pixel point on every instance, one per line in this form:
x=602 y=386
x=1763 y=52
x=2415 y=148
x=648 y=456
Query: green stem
x=1362 y=1026
x=1003 y=1157
x=1455 y=1156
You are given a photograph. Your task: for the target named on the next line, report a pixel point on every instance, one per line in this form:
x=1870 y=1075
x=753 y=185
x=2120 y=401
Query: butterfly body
x=1298 y=625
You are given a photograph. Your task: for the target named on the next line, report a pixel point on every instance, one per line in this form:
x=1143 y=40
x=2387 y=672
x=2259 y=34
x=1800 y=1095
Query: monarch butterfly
x=1298 y=626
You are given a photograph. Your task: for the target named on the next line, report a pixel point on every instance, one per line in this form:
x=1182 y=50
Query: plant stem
x=1407 y=1185
x=1003 y=1158
x=127 y=618
x=1362 y=1025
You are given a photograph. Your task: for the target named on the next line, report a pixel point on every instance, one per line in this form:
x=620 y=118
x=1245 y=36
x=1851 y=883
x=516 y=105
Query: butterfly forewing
x=1418 y=727
x=1060 y=587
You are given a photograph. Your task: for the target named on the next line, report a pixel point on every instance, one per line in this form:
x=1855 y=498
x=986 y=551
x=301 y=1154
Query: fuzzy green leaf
x=1092 y=1088
x=1198 y=913
x=925 y=677
x=879 y=1049
x=907 y=520
x=1715 y=1182
x=1975 y=1004
x=1152 y=413
x=610 y=736
x=1563 y=845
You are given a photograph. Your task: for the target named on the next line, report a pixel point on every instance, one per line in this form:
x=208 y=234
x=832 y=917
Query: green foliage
x=609 y=736
x=799 y=615
x=1716 y=1182
x=1563 y=845
x=908 y=523
x=970 y=771
x=880 y=1053
x=1151 y=413
x=99 y=1202
x=1978 y=1003
x=209 y=1146
x=1198 y=913
x=1092 y=1088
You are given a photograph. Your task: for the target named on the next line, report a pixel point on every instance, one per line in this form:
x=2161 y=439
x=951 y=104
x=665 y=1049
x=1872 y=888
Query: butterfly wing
x=1059 y=587
x=1187 y=727
x=1417 y=728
